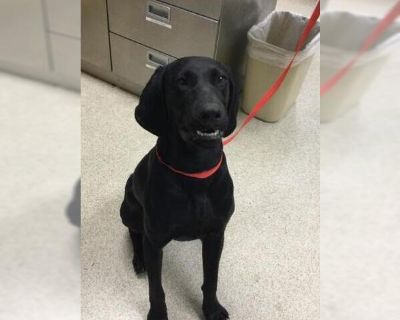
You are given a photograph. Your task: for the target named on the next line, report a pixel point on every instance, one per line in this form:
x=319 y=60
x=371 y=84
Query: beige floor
x=39 y=165
x=270 y=265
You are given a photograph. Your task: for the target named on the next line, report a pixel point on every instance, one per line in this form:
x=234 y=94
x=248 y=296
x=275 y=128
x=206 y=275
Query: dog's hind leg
x=138 y=258
x=132 y=217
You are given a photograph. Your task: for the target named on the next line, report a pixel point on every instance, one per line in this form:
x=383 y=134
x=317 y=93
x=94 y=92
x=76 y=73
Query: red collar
x=198 y=175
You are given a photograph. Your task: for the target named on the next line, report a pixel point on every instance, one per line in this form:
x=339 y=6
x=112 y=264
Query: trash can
x=271 y=46
x=324 y=3
x=344 y=34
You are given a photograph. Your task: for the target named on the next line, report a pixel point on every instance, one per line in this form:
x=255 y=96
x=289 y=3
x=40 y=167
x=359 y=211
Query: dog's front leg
x=153 y=263
x=212 y=249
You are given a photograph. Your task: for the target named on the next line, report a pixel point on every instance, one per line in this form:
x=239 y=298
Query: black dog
x=190 y=105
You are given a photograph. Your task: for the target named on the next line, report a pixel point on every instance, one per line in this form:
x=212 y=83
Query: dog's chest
x=200 y=209
x=193 y=212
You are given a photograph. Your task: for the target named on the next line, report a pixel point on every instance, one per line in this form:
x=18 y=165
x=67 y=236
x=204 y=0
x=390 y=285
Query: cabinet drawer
x=135 y=62
x=209 y=8
x=167 y=28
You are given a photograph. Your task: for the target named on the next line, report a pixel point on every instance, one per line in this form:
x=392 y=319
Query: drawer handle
x=159 y=14
x=155 y=60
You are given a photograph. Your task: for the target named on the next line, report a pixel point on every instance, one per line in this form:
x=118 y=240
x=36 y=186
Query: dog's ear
x=151 y=112
x=233 y=104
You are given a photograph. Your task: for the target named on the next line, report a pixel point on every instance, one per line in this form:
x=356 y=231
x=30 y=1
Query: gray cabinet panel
x=22 y=35
x=169 y=29
x=95 y=41
x=209 y=8
x=135 y=62
x=64 y=16
x=66 y=53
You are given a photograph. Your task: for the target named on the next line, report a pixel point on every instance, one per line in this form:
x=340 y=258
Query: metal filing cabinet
x=23 y=43
x=95 y=52
x=40 y=39
x=144 y=34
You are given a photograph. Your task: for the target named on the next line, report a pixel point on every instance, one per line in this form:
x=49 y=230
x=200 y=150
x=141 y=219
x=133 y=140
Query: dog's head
x=194 y=96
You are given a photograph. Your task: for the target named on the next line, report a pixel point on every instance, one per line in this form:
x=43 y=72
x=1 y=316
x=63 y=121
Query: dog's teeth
x=207 y=134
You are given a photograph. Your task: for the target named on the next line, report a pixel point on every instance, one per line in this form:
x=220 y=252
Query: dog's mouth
x=201 y=134
x=209 y=133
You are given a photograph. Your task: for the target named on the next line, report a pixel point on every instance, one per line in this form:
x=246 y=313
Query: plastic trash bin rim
x=265 y=51
x=333 y=56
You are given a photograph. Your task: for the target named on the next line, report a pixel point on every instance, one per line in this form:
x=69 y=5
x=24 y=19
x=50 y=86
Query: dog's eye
x=182 y=82
x=221 y=79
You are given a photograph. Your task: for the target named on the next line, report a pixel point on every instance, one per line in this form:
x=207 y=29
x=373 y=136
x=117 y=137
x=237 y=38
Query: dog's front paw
x=215 y=312
x=157 y=315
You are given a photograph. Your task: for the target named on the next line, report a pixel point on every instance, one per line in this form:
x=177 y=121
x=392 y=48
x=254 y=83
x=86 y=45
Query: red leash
x=277 y=84
x=371 y=39
x=258 y=106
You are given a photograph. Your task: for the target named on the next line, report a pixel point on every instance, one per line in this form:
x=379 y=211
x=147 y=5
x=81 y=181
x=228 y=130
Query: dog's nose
x=210 y=113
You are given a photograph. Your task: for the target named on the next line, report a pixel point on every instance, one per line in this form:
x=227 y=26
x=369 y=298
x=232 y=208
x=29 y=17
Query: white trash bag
x=272 y=44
